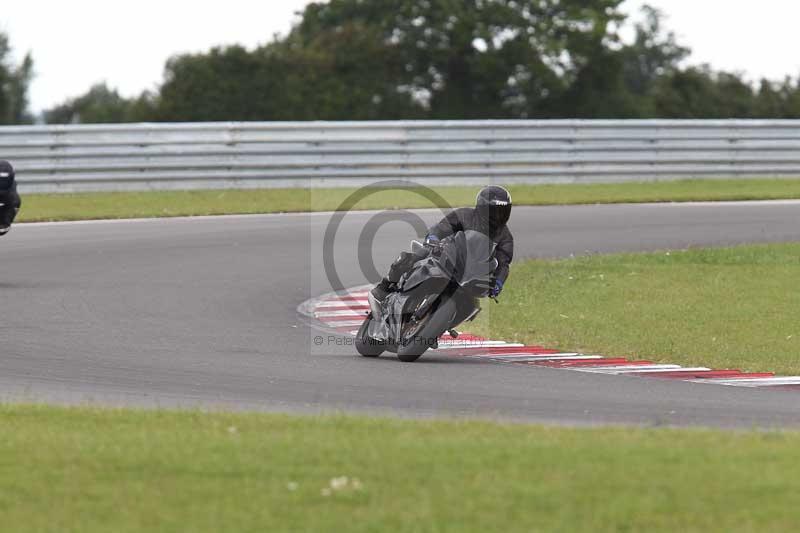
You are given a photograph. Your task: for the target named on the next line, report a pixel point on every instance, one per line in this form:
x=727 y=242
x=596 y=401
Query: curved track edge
x=342 y=312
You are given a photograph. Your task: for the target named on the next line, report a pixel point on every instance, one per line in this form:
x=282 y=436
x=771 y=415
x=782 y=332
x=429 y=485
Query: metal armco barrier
x=330 y=154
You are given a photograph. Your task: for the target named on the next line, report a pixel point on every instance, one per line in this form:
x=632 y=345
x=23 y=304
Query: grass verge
x=51 y=207
x=125 y=470
x=722 y=308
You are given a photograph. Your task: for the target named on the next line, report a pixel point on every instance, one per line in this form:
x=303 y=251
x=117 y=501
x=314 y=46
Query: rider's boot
x=377 y=295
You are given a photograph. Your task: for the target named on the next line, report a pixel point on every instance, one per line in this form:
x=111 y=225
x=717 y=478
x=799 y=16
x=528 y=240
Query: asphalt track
x=203 y=313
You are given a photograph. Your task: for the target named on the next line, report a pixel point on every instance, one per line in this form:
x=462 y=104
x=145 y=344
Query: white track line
x=481 y=342
x=753 y=382
x=522 y=357
x=370 y=212
x=682 y=369
x=534 y=358
x=339 y=304
x=516 y=354
x=328 y=314
x=478 y=344
x=344 y=323
x=624 y=369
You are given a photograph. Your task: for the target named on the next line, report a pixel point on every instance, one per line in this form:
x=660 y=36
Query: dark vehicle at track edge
x=439 y=292
x=9 y=199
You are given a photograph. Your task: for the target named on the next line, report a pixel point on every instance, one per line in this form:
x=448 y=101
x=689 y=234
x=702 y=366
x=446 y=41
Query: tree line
x=434 y=59
x=14 y=82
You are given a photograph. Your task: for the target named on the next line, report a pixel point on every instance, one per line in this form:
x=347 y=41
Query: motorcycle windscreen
x=425 y=270
x=475 y=260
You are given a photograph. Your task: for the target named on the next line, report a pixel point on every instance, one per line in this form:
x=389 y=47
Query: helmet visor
x=495 y=215
x=499 y=215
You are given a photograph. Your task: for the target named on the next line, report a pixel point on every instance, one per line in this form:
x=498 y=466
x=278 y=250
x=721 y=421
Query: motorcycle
x=437 y=294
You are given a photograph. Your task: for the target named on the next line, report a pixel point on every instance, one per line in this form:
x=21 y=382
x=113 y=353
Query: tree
x=389 y=59
x=599 y=91
x=444 y=59
x=699 y=92
x=473 y=58
x=228 y=83
x=346 y=73
x=101 y=105
x=14 y=83
x=653 y=54
x=778 y=100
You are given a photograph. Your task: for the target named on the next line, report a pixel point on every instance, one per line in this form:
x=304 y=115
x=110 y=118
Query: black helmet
x=494 y=206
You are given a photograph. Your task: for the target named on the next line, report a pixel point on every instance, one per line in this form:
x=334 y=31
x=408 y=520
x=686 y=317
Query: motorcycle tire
x=436 y=324
x=365 y=345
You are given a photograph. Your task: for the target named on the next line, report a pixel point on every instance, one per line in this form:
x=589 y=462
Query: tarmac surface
x=202 y=312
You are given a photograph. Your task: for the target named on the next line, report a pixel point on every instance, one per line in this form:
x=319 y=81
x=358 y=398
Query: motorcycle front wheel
x=366 y=345
x=434 y=325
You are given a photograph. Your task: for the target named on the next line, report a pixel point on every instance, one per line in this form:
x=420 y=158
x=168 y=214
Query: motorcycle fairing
x=388 y=327
x=466 y=259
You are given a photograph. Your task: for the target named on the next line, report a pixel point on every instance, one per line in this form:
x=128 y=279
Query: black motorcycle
x=439 y=292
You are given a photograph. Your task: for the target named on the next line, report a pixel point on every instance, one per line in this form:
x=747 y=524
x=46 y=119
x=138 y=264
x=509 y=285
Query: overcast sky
x=80 y=42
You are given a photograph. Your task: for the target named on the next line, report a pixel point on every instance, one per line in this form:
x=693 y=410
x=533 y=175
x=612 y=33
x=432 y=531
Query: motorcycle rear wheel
x=435 y=324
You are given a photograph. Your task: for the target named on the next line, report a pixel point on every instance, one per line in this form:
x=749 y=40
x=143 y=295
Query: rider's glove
x=498 y=287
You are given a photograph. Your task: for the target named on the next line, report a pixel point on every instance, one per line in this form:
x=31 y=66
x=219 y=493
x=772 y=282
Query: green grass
x=38 y=207
x=723 y=308
x=124 y=470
